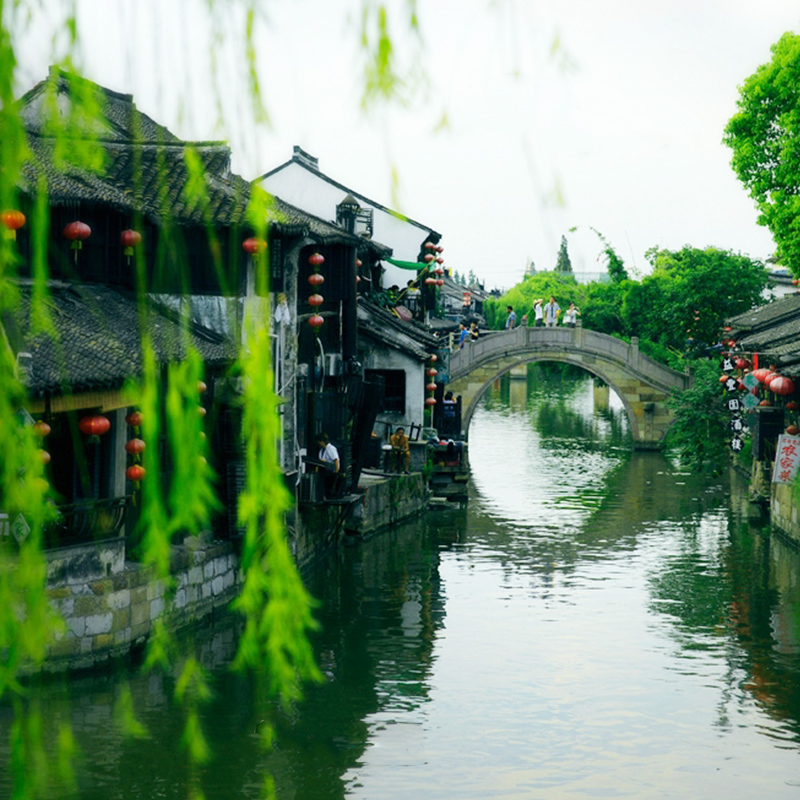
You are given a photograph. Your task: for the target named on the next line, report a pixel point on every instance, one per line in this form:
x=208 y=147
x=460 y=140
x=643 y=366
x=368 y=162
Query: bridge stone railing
x=578 y=341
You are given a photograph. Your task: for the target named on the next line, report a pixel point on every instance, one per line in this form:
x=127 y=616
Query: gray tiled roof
x=144 y=166
x=771 y=330
x=384 y=326
x=97 y=342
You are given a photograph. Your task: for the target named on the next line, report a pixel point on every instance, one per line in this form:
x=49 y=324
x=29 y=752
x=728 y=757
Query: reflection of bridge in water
x=643 y=385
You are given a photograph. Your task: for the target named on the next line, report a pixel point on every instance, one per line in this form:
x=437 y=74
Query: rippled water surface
x=594 y=624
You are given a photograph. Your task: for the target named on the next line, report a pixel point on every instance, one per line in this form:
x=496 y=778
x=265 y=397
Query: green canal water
x=594 y=624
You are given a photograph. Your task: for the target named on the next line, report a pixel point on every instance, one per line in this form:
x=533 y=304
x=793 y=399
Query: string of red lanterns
x=316 y=300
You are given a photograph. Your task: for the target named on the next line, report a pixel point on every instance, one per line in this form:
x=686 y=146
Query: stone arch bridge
x=644 y=385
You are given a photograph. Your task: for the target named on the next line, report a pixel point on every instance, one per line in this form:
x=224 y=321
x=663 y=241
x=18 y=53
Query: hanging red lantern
x=254 y=245
x=760 y=373
x=45 y=456
x=201 y=387
x=723 y=378
x=440 y=260
x=791 y=406
x=433 y=357
x=129 y=240
x=431 y=372
x=134 y=419
x=201 y=411
x=782 y=385
x=76 y=232
x=439 y=282
x=430 y=281
x=430 y=401
x=134 y=446
x=316 y=300
x=316 y=321
x=95 y=425
x=135 y=472
x=429 y=246
x=431 y=387
x=792 y=430
x=13 y=220
x=440 y=249
x=742 y=363
x=41 y=428
x=315 y=279
x=316 y=259
x=765 y=403
x=429 y=257
x=358 y=262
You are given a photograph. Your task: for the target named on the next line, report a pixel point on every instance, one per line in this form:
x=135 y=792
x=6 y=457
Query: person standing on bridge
x=511 y=319
x=551 y=310
x=571 y=315
x=538 y=313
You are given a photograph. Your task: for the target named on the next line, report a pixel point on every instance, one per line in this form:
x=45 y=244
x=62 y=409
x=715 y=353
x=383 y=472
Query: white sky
x=567 y=113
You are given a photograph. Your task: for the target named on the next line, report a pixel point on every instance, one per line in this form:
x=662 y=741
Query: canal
x=595 y=623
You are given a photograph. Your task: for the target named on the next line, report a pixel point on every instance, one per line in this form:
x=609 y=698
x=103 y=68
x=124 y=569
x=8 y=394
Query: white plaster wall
x=302 y=188
x=384 y=358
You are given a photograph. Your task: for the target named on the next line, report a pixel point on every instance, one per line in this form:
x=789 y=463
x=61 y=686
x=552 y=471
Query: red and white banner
x=787 y=459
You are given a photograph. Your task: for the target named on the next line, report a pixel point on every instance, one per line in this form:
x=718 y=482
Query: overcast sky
x=573 y=113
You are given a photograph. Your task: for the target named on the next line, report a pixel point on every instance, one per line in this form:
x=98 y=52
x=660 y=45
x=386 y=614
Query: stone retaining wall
x=109 y=615
x=784 y=513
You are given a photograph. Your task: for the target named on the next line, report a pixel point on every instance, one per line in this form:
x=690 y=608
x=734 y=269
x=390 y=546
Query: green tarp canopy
x=415 y=265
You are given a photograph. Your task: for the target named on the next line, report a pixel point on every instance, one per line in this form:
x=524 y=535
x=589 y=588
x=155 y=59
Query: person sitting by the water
x=328 y=453
x=401 y=450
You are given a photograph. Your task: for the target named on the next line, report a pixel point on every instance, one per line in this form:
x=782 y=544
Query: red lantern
x=765 y=403
x=760 y=373
x=742 y=363
x=440 y=260
x=96 y=425
x=201 y=387
x=45 y=456
x=41 y=428
x=358 y=262
x=439 y=282
x=134 y=446
x=440 y=249
x=76 y=232
x=316 y=279
x=316 y=321
x=316 y=300
x=431 y=372
x=792 y=430
x=254 y=245
x=429 y=246
x=13 y=221
x=316 y=259
x=782 y=385
x=430 y=401
x=429 y=257
x=430 y=281
x=723 y=378
x=130 y=239
x=431 y=387
x=433 y=357
x=134 y=419
x=791 y=406
x=201 y=411
x=135 y=472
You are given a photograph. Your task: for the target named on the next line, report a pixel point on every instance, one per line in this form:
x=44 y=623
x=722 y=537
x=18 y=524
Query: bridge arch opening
x=470 y=409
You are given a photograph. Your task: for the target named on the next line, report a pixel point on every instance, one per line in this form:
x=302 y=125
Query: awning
x=415 y=265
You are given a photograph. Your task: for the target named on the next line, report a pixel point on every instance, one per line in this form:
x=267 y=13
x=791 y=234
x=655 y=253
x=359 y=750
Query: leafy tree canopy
x=764 y=136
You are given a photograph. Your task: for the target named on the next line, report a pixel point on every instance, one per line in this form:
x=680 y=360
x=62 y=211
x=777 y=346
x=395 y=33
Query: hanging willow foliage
x=273 y=601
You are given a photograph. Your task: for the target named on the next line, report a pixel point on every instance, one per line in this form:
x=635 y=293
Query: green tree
x=690 y=294
x=764 y=136
x=699 y=436
x=563 y=263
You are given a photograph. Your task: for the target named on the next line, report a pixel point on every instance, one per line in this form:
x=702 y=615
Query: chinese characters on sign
x=787 y=458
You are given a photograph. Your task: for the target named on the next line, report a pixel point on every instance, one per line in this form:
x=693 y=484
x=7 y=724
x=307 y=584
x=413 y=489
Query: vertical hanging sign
x=787 y=458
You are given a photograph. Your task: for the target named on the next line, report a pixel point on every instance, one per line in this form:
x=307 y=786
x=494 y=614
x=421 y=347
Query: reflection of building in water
x=518 y=394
